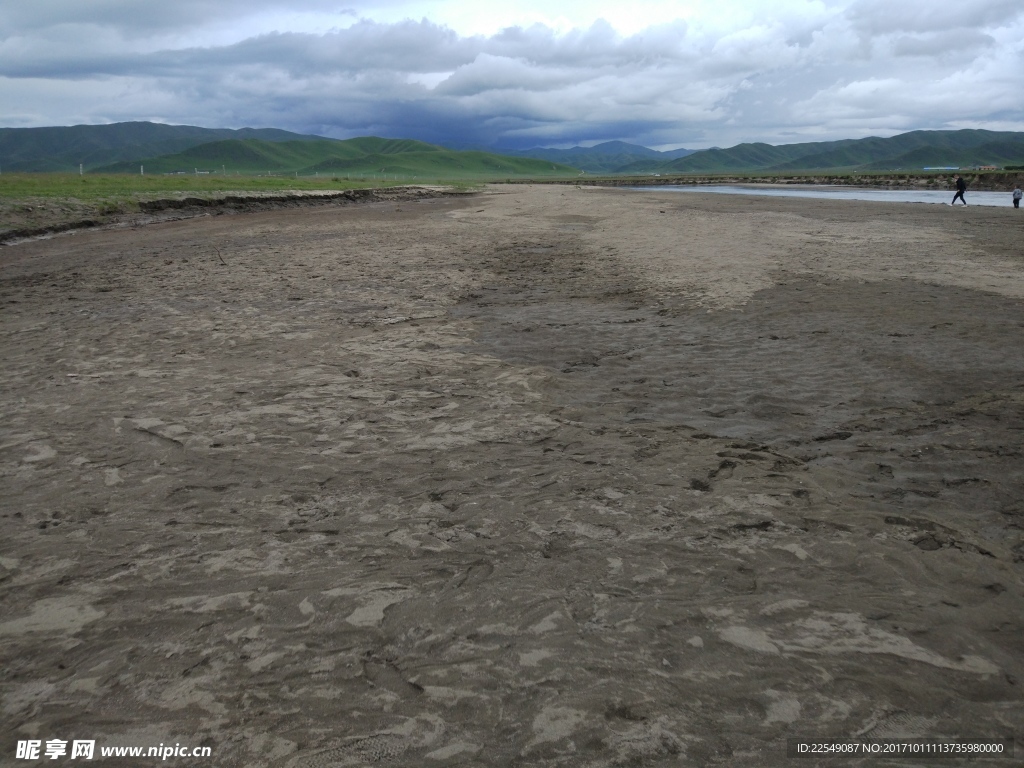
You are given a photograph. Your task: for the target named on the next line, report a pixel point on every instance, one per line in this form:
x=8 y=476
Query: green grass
x=34 y=200
x=39 y=200
x=94 y=186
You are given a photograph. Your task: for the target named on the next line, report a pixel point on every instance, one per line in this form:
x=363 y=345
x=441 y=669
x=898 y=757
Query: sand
x=547 y=476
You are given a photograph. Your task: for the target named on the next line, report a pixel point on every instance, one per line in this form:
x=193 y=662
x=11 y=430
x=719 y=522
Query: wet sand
x=548 y=476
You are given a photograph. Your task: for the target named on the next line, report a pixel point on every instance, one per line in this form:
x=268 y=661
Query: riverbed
x=542 y=476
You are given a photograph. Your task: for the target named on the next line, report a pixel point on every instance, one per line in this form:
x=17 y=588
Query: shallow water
x=995 y=199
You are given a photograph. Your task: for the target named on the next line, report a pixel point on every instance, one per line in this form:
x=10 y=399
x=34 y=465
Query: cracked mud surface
x=544 y=477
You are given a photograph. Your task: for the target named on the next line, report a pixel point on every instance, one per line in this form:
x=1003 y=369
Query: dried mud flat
x=549 y=476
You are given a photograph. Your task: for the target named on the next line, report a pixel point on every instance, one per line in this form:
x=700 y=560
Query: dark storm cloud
x=404 y=47
x=871 y=67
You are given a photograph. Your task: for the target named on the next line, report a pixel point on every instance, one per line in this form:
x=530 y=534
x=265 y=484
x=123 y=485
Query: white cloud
x=947 y=44
x=882 y=17
x=697 y=72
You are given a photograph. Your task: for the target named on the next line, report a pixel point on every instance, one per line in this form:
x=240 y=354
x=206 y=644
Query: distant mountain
x=608 y=157
x=63 y=148
x=122 y=147
x=738 y=158
x=362 y=156
x=907 y=151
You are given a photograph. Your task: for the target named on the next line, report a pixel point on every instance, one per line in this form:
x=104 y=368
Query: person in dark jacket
x=961 y=187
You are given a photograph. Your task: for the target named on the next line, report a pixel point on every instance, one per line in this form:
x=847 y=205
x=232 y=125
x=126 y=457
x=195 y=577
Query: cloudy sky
x=691 y=73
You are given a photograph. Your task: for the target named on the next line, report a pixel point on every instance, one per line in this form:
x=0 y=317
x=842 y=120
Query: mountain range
x=63 y=148
x=364 y=156
x=608 y=157
x=911 y=151
x=123 y=147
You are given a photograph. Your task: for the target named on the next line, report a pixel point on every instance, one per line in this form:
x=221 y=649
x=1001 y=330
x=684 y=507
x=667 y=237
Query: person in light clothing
x=1017 y=194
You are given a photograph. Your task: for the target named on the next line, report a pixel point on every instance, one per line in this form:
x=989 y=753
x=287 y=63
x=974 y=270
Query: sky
x=506 y=75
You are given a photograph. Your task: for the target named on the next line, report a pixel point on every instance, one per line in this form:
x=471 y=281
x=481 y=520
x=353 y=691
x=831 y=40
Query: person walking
x=1017 y=195
x=961 y=187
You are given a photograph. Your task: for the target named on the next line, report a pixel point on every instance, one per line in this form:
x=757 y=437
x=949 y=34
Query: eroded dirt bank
x=35 y=217
x=544 y=477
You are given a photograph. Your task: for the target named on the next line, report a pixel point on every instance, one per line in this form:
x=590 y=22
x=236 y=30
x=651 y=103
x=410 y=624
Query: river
x=935 y=197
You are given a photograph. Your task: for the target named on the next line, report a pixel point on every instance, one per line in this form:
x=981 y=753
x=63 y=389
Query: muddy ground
x=544 y=477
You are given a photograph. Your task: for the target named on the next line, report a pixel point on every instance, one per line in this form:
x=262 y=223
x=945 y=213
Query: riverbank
x=26 y=216
x=39 y=217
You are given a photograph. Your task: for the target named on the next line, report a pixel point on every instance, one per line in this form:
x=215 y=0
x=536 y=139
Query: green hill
x=440 y=163
x=1001 y=152
x=906 y=151
x=609 y=157
x=743 y=157
x=364 y=156
x=63 y=148
x=122 y=147
x=915 y=150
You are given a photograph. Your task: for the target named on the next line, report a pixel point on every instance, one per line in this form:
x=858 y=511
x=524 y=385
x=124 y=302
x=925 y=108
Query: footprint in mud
x=724 y=471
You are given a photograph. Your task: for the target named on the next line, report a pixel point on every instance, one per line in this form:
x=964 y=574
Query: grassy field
x=120 y=186
x=40 y=200
x=30 y=201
